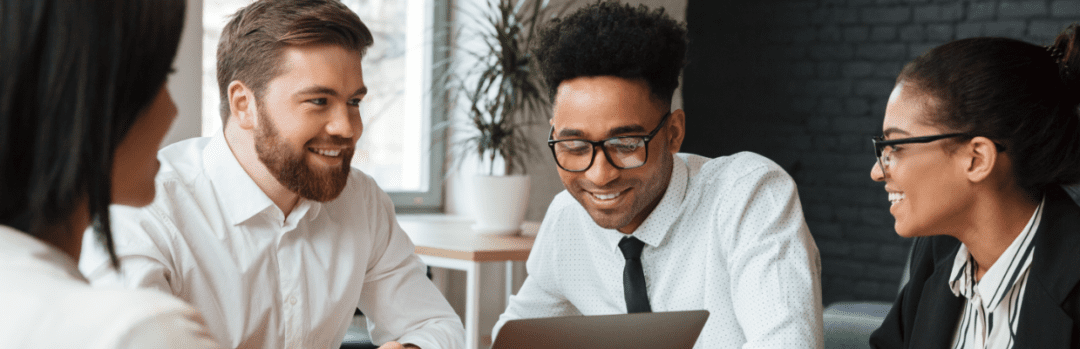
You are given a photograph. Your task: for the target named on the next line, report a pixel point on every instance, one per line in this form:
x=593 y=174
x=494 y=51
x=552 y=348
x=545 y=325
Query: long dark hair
x=74 y=76
x=1015 y=93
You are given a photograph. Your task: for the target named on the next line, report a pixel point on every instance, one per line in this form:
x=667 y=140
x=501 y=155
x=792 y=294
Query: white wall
x=185 y=85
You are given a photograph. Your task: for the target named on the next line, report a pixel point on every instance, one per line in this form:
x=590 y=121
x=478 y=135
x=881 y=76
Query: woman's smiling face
x=926 y=184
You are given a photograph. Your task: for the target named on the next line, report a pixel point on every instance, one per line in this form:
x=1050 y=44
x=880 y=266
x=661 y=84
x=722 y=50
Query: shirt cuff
x=423 y=343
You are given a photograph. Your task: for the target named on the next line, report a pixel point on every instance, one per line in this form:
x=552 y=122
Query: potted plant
x=503 y=96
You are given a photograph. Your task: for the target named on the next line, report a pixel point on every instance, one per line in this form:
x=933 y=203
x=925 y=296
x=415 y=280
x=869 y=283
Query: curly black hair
x=607 y=38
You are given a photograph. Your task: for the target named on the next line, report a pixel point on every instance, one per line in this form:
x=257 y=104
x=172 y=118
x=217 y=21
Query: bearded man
x=265 y=228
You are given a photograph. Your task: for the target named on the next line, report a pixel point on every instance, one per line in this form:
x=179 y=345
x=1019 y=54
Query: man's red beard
x=291 y=168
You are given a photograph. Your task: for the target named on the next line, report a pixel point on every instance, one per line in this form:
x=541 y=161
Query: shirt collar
x=655 y=228
x=1004 y=274
x=240 y=197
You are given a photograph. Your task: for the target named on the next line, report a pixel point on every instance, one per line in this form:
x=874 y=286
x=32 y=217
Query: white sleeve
x=773 y=262
x=539 y=296
x=168 y=331
x=141 y=247
x=400 y=302
x=160 y=323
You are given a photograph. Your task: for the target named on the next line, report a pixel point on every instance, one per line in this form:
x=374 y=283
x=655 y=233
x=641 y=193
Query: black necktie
x=637 y=298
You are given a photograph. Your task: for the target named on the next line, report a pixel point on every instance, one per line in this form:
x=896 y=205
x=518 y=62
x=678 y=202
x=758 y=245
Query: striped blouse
x=993 y=303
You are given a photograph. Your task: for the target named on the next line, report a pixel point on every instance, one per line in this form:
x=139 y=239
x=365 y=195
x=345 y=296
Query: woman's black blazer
x=926 y=312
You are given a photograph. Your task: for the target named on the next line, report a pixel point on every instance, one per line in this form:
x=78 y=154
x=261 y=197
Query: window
x=396 y=148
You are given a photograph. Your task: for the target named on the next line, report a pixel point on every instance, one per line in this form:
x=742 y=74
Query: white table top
x=452 y=237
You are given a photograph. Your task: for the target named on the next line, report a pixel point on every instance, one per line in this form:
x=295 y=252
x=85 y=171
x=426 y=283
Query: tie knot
x=631 y=247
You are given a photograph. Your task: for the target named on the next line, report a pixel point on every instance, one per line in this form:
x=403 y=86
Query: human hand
x=396 y=345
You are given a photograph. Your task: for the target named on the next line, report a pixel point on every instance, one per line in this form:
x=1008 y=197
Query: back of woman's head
x=74 y=76
x=1017 y=94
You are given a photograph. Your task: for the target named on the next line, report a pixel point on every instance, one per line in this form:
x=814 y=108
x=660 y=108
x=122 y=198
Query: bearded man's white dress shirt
x=262 y=280
x=728 y=236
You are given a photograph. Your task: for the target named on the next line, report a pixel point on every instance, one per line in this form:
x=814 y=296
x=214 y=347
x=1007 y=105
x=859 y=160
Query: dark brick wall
x=805 y=83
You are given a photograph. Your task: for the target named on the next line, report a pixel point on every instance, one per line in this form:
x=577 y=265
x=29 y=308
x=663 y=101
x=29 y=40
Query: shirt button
x=292 y=300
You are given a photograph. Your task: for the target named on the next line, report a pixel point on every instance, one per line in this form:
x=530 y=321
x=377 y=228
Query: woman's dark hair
x=1017 y=94
x=612 y=39
x=74 y=76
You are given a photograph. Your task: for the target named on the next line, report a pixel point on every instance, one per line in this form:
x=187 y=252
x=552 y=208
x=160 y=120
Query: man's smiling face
x=601 y=107
x=309 y=120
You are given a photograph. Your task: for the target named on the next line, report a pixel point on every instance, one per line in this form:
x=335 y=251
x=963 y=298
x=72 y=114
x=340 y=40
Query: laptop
x=676 y=329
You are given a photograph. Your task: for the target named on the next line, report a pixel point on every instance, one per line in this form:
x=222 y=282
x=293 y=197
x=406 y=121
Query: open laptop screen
x=677 y=329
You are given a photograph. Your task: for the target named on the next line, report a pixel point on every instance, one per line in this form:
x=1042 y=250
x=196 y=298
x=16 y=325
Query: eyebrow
x=329 y=91
x=621 y=130
x=569 y=132
x=894 y=130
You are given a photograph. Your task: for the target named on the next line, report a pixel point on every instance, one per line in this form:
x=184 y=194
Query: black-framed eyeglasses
x=622 y=152
x=885 y=157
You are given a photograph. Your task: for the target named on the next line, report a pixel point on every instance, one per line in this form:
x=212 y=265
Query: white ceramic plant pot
x=499 y=203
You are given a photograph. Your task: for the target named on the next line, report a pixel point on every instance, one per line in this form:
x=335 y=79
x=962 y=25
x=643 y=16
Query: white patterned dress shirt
x=992 y=304
x=263 y=280
x=728 y=237
x=46 y=303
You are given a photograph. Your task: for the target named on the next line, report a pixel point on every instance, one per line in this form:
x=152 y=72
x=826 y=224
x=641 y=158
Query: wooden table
x=449 y=242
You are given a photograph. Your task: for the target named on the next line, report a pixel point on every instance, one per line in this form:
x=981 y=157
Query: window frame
x=437 y=13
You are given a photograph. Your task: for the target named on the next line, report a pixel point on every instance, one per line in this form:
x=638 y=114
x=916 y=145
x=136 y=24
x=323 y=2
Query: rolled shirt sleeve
x=399 y=301
x=539 y=296
x=773 y=262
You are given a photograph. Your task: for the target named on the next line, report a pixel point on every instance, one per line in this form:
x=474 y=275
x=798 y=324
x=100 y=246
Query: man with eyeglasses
x=644 y=228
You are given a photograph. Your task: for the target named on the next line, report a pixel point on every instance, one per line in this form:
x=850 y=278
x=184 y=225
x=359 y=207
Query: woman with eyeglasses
x=978 y=137
x=83 y=107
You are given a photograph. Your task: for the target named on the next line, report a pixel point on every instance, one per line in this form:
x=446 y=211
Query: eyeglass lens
x=885 y=158
x=623 y=153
